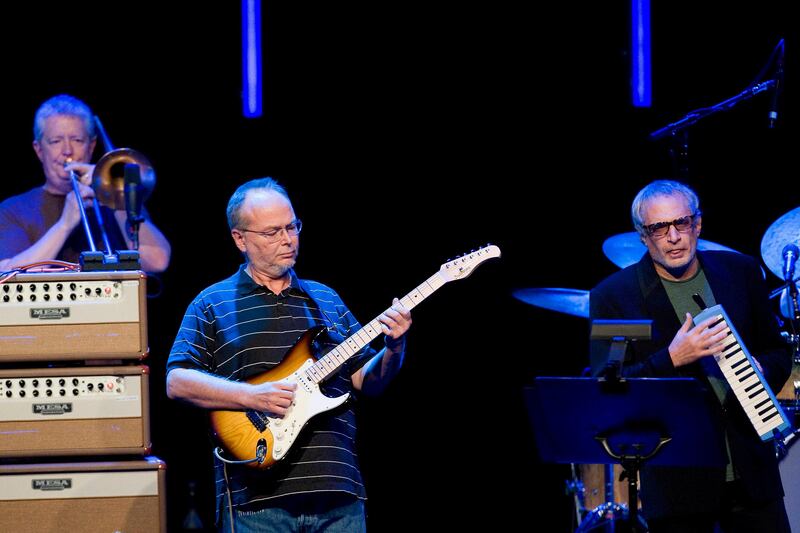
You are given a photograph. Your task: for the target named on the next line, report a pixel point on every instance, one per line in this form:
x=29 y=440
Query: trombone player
x=45 y=222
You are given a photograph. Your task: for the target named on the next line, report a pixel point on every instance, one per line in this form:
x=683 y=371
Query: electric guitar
x=259 y=440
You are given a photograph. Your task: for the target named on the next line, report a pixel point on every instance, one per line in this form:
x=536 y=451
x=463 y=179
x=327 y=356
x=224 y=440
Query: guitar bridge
x=259 y=421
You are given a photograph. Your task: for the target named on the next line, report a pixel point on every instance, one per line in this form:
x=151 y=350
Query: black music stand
x=664 y=421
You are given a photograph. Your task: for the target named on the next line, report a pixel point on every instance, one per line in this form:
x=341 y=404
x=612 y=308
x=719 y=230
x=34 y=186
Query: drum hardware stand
x=782 y=445
x=792 y=338
x=576 y=488
x=794 y=306
x=790 y=286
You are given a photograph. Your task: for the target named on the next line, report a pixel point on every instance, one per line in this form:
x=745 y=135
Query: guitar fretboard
x=452 y=270
x=330 y=362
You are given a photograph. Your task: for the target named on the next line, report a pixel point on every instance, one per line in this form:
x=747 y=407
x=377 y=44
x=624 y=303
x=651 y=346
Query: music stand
x=661 y=421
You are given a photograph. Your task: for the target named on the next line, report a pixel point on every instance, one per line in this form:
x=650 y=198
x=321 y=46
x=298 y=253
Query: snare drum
x=593 y=477
x=790 y=390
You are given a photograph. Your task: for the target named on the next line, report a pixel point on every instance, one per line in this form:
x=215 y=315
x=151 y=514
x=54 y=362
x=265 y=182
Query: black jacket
x=636 y=292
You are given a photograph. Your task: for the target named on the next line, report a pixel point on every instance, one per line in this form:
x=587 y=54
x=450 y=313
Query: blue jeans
x=345 y=517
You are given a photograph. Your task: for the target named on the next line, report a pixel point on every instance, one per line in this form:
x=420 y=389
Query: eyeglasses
x=274 y=234
x=660 y=229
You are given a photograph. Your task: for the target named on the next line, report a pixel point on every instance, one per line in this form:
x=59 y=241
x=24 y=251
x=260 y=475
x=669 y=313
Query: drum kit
x=596 y=488
x=779 y=249
x=776 y=245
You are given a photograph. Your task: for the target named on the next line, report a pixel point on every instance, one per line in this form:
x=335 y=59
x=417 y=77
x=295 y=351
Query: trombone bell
x=108 y=177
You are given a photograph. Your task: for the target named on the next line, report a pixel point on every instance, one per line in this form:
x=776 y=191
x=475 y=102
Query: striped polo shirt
x=237 y=329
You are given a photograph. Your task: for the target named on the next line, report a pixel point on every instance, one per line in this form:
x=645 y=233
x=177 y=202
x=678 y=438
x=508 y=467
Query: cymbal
x=571 y=301
x=783 y=231
x=626 y=249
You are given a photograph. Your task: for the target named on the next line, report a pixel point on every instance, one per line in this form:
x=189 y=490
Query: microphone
x=790 y=253
x=773 y=111
x=133 y=200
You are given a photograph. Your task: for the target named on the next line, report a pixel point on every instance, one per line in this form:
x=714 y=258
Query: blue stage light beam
x=252 y=97
x=641 y=60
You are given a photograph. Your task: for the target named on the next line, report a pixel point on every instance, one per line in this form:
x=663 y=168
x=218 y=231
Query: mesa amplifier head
x=73 y=316
x=92 y=497
x=74 y=411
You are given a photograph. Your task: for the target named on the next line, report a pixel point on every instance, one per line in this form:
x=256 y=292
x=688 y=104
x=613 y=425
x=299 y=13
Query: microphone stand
x=694 y=116
x=680 y=152
x=789 y=254
x=773 y=112
x=133 y=202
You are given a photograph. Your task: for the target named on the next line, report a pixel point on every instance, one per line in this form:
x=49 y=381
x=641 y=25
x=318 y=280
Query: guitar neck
x=330 y=362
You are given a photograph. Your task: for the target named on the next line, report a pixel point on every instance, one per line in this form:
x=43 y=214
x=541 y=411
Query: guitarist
x=243 y=326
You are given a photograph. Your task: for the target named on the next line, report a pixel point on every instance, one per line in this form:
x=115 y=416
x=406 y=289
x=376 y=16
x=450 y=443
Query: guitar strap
x=335 y=330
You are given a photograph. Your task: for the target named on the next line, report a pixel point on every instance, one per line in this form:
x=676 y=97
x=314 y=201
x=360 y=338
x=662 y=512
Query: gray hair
x=237 y=199
x=63 y=104
x=661 y=188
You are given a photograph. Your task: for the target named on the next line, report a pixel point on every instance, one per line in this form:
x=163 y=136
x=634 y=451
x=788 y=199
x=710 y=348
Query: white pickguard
x=308 y=402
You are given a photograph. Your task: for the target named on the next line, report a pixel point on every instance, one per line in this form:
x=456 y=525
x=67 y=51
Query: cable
x=228 y=492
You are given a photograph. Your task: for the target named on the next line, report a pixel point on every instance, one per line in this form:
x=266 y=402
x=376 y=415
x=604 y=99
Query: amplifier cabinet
x=73 y=316
x=100 y=410
x=92 y=497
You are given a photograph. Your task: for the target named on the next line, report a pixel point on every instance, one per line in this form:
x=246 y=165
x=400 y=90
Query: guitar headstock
x=461 y=267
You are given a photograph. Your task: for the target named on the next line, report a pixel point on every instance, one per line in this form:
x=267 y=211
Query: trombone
x=126 y=190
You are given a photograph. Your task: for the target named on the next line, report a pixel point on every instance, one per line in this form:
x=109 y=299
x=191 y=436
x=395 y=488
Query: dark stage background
x=407 y=135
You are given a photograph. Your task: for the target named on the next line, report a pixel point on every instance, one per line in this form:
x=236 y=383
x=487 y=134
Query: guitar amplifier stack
x=74 y=405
